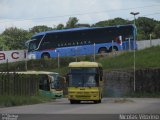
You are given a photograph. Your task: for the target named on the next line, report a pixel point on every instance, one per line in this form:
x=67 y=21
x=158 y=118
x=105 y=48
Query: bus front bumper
x=86 y=96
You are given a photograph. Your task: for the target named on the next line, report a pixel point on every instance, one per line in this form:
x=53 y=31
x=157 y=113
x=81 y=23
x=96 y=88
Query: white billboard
x=12 y=56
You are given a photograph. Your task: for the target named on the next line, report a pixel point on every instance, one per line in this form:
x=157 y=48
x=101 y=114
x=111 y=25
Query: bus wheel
x=102 y=50
x=72 y=101
x=99 y=101
x=77 y=101
x=96 y=101
x=45 y=55
x=114 y=49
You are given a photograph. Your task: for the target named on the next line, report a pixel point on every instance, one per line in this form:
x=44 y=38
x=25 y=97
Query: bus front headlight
x=31 y=56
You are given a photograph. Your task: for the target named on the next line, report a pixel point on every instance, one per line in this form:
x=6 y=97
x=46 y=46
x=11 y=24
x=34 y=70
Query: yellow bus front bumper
x=86 y=94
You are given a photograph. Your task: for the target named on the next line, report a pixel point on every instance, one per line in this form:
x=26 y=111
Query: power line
x=78 y=14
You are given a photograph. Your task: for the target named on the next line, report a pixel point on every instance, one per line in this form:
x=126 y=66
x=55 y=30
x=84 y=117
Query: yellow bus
x=85 y=82
x=50 y=83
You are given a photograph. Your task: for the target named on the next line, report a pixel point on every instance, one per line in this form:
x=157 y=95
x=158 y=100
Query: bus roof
x=32 y=72
x=85 y=64
x=79 y=29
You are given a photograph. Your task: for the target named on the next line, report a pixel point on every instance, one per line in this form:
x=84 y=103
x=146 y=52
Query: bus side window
x=44 y=83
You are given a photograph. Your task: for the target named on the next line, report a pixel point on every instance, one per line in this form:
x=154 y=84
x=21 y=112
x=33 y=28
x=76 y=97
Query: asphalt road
x=108 y=106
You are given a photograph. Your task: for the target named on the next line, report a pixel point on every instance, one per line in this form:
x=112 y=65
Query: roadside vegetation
x=8 y=101
x=147 y=58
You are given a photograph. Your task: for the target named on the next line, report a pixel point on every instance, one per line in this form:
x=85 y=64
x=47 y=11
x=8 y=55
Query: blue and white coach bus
x=81 y=41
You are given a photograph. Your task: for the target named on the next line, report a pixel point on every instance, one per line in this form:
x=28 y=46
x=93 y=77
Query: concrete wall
x=121 y=82
x=147 y=43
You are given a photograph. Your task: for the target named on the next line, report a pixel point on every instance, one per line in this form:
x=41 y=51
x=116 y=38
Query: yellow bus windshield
x=83 y=77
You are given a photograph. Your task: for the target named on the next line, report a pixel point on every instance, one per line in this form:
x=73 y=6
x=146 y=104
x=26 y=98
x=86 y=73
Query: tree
x=141 y=35
x=112 y=22
x=83 y=25
x=157 y=30
x=3 y=45
x=15 y=38
x=72 y=22
x=146 y=25
x=60 y=27
x=40 y=28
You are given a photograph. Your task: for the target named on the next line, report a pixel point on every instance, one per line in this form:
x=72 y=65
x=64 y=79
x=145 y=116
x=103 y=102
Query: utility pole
x=134 y=47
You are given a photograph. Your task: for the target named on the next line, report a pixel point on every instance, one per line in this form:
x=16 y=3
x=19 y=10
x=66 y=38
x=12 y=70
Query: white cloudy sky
x=28 y=13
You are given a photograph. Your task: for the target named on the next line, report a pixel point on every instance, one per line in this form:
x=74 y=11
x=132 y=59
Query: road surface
x=108 y=106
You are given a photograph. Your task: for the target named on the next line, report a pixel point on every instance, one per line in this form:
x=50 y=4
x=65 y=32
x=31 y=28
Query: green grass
x=8 y=101
x=147 y=58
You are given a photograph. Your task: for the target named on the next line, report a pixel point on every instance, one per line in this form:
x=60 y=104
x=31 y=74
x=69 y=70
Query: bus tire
x=99 y=101
x=114 y=49
x=102 y=50
x=77 y=101
x=96 y=101
x=72 y=101
x=45 y=55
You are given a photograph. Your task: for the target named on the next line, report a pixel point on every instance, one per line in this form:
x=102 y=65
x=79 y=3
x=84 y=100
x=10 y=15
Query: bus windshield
x=34 y=43
x=83 y=77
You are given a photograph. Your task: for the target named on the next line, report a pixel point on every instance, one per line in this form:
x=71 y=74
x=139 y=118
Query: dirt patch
x=123 y=100
x=119 y=100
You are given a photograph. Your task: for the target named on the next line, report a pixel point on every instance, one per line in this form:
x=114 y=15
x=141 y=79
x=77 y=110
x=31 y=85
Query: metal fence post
x=94 y=52
x=112 y=45
x=58 y=59
x=7 y=66
x=76 y=54
x=26 y=65
x=129 y=40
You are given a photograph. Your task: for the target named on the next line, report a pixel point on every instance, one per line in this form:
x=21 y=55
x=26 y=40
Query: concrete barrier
x=147 y=43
